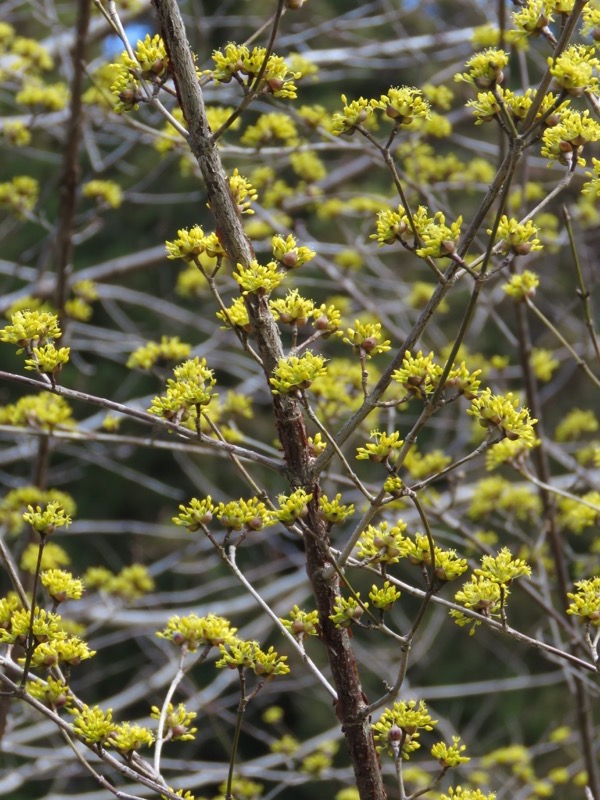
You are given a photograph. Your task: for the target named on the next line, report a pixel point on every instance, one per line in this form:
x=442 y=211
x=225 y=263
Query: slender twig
x=547 y=487
x=231 y=562
x=349 y=471
x=160 y=733
x=100 y=779
x=31 y=640
x=241 y=710
x=582 y=291
x=126 y=771
x=149 y=419
x=539 y=644
x=553 y=329
x=9 y=565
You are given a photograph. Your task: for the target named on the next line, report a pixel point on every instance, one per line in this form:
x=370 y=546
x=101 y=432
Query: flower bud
x=321 y=323
x=522 y=249
x=369 y=344
x=255 y=524
x=394 y=734
x=290 y=259
x=298 y=627
x=275 y=84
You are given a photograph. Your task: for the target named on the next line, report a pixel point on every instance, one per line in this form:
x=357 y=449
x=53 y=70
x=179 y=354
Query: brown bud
x=297 y=627
x=275 y=84
x=321 y=323
x=552 y=120
x=369 y=344
x=523 y=248
x=290 y=259
x=394 y=734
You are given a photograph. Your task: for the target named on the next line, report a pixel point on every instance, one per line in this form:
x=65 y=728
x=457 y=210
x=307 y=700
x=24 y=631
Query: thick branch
x=351 y=705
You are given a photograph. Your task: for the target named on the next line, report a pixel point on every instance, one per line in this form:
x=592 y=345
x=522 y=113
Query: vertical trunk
x=288 y=412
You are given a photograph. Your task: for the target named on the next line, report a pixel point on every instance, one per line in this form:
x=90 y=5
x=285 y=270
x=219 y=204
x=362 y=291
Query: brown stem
x=351 y=705
x=555 y=539
x=70 y=173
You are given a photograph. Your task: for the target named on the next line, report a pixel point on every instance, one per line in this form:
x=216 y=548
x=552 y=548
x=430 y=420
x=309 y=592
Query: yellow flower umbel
x=195 y=515
x=170 y=348
x=190 y=390
x=419 y=374
x=383 y=544
x=384 y=598
x=289 y=254
x=586 y=601
x=46 y=521
x=42 y=412
x=45 y=627
x=151 y=60
x=127 y=738
x=487 y=591
x=390 y=226
x=347 y=610
x=450 y=756
x=437 y=239
x=178 y=723
x=106 y=193
x=244 y=64
x=19 y=195
x=574 y=69
x=61 y=585
x=33 y=331
x=485 y=69
x=271 y=128
x=522 y=286
x=517 y=237
x=466 y=794
x=258 y=279
x=296 y=373
x=244 y=515
x=365 y=338
x=564 y=142
x=333 y=511
x=193 y=632
x=403 y=105
x=533 y=18
x=236 y=315
x=397 y=731
x=93 y=725
x=293 y=309
x=381 y=448
x=501 y=412
x=292 y=507
x=29 y=329
x=241 y=655
x=43 y=96
x=353 y=114
x=194 y=245
x=302 y=623
x=242 y=192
